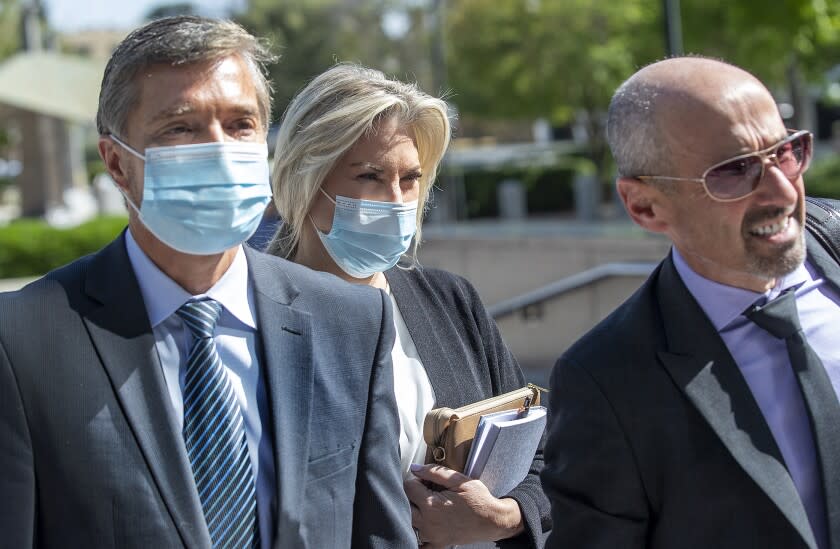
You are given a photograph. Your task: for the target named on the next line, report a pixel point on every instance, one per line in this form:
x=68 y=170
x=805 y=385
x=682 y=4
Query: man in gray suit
x=686 y=418
x=176 y=389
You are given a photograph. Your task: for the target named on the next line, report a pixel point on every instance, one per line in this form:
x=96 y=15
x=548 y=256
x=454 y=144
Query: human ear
x=115 y=162
x=643 y=202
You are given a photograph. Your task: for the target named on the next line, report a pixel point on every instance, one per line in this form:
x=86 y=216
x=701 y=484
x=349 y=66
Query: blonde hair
x=326 y=119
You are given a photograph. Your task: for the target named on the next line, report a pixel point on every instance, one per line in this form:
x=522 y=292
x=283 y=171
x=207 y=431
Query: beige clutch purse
x=449 y=432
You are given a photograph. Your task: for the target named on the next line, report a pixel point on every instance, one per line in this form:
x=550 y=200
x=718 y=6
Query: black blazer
x=89 y=452
x=655 y=439
x=466 y=360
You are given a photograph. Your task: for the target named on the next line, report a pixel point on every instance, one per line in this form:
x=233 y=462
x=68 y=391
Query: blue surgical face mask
x=206 y=198
x=367 y=236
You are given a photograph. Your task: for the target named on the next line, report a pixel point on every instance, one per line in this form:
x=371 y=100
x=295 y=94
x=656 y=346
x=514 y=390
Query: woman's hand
x=463 y=512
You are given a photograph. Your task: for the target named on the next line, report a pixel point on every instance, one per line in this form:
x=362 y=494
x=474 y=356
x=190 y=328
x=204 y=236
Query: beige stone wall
x=540 y=336
x=503 y=268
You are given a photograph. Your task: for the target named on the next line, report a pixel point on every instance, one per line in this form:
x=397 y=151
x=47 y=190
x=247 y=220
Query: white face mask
x=206 y=198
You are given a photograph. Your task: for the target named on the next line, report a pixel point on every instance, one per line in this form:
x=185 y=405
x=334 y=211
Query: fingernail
x=415 y=467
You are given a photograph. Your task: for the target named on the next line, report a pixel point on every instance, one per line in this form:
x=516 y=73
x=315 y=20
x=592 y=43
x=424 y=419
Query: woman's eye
x=371 y=176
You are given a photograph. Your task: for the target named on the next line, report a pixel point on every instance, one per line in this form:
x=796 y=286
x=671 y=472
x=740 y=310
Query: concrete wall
x=538 y=335
x=504 y=264
x=507 y=262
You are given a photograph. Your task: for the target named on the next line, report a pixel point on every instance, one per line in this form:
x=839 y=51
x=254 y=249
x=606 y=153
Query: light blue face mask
x=367 y=236
x=206 y=198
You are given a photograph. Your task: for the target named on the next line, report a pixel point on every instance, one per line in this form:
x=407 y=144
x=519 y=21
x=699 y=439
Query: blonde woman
x=355 y=159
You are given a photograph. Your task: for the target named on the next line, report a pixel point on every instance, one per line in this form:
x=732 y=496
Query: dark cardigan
x=466 y=361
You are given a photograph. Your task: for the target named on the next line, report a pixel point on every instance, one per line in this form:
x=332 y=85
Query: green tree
x=10 y=13
x=300 y=33
x=522 y=59
x=310 y=36
x=787 y=46
x=169 y=10
x=766 y=39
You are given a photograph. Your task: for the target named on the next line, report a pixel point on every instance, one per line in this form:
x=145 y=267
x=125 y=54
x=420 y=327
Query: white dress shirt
x=236 y=342
x=415 y=396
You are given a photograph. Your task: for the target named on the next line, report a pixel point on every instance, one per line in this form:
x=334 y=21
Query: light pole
x=673 y=27
x=438 y=53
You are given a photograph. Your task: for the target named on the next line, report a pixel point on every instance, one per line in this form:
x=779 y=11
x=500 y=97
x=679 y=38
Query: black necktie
x=780 y=318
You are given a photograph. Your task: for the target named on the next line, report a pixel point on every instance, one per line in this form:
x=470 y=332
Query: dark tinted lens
x=734 y=179
x=792 y=156
x=800 y=151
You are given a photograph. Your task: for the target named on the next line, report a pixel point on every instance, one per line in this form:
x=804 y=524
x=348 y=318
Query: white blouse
x=415 y=396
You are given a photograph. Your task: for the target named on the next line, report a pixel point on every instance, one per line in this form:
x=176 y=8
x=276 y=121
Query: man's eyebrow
x=172 y=112
x=187 y=108
x=244 y=110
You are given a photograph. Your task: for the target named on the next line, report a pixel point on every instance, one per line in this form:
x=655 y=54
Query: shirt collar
x=163 y=296
x=725 y=304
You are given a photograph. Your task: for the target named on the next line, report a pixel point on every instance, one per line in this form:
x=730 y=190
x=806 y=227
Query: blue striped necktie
x=214 y=434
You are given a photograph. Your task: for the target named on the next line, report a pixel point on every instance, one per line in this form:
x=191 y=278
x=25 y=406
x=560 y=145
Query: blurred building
x=48 y=98
x=95 y=44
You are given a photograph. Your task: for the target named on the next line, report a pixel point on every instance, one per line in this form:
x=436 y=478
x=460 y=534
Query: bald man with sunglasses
x=681 y=420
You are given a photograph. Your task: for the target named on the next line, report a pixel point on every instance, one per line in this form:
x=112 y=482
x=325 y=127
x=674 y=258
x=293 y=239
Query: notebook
x=504 y=447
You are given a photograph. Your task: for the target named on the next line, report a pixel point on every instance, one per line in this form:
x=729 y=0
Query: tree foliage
x=530 y=58
x=169 y=10
x=766 y=39
x=557 y=60
x=10 y=23
x=527 y=58
x=521 y=59
x=787 y=46
x=310 y=36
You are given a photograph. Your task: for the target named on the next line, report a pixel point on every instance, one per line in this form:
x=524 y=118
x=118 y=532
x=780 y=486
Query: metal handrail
x=568 y=284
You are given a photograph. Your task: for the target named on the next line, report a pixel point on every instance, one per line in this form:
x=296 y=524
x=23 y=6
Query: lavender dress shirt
x=764 y=363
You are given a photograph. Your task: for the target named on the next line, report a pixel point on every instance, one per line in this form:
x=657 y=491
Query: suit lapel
x=123 y=338
x=286 y=337
x=700 y=364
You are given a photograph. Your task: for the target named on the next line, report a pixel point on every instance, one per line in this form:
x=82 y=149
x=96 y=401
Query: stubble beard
x=783 y=260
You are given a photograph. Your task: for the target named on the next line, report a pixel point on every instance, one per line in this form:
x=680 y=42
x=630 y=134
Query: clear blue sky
x=74 y=15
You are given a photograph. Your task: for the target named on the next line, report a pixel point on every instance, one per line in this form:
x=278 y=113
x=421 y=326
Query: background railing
x=567 y=285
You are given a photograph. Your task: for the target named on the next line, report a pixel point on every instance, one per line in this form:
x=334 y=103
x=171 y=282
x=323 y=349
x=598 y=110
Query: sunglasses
x=738 y=177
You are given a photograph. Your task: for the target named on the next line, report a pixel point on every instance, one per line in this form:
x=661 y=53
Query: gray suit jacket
x=655 y=439
x=89 y=452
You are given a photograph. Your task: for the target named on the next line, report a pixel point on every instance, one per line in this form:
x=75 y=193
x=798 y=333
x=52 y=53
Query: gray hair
x=633 y=133
x=175 y=41
x=326 y=119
